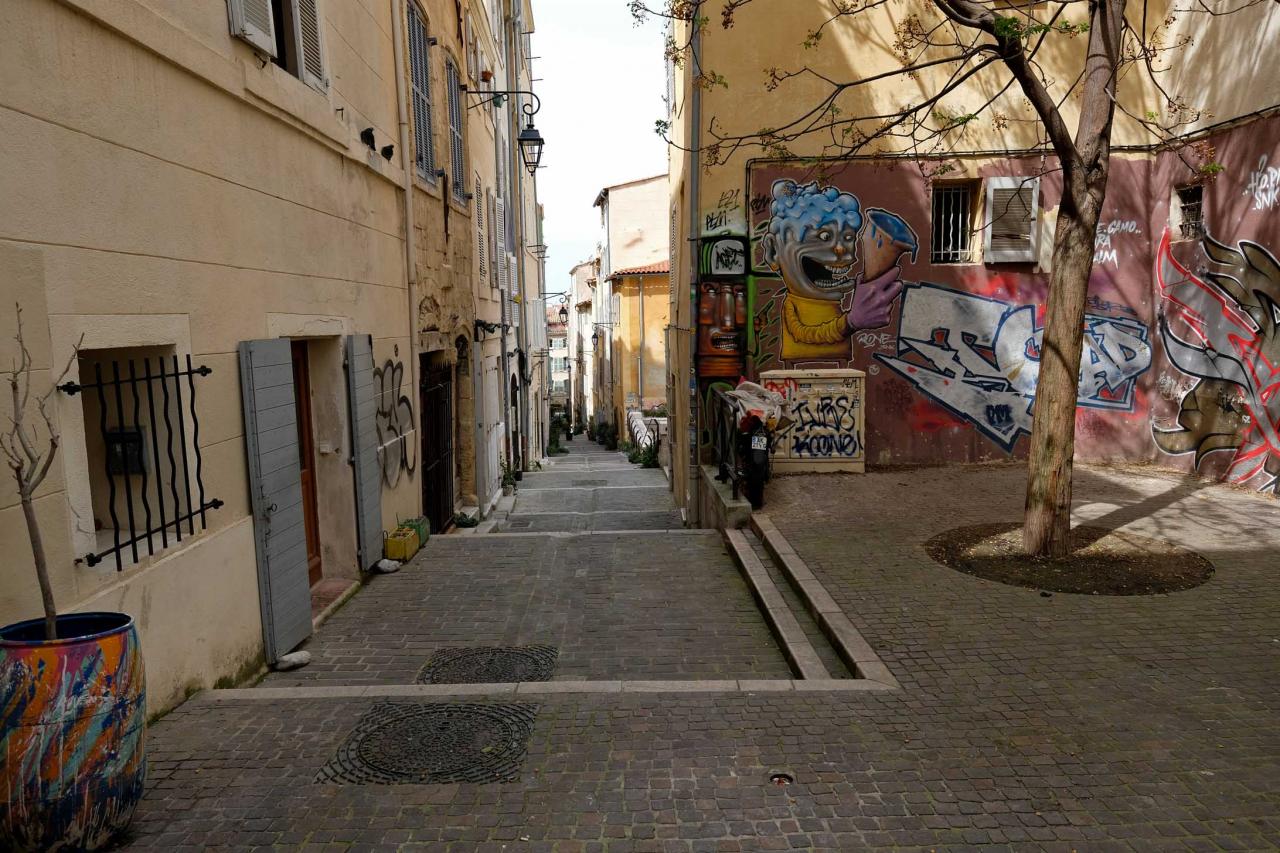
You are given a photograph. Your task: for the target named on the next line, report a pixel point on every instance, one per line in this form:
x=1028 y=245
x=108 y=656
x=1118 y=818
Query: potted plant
x=508 y=479
x=72 y=694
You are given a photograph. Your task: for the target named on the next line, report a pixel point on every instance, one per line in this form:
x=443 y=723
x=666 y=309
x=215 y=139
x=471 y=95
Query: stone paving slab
x=640 y=772
x=616 y=605
x=544 y=522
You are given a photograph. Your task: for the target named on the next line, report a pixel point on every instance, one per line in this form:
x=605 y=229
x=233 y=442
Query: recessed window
x=952 y=224
x=287 y=31
x=1190 y=202
x=1010 y=219
x=420 y=78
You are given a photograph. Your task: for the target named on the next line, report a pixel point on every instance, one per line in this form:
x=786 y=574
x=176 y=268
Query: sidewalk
x=1025 y=722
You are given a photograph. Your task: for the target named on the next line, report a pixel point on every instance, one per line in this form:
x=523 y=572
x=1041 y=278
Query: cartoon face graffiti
x=814 y=238
x=722 y=320
x=1228 y=337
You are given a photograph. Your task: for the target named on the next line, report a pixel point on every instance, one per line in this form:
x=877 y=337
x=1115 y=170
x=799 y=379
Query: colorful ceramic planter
x=72 y=727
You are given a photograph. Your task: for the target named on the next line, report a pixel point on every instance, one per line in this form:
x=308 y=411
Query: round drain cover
x=490 y=665
x=434 y=744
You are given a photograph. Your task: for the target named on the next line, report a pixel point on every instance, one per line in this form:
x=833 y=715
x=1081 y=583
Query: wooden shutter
x=1011 y=220
x=363 y=409
x=275 y=491
x=307 y=25
x=252 y=21
x=458 y=174
x=424 y=154
x=500 y=242
x=482 y=250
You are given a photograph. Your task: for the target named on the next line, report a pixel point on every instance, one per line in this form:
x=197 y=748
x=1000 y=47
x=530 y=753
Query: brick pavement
x=1024 y=722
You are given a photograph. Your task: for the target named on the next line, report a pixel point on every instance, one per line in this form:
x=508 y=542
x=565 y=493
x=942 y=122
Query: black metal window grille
x=137 y=400
x=1191 y=207
x=952 y=225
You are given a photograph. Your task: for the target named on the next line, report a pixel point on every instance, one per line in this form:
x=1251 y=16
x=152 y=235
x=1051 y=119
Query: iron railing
x=127 y=441
x=722 y=423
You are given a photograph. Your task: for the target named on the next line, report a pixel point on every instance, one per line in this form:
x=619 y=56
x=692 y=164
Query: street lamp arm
x=491 y=95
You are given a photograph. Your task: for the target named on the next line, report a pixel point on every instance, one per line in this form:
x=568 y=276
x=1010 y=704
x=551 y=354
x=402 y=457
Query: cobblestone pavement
x=1024 y=722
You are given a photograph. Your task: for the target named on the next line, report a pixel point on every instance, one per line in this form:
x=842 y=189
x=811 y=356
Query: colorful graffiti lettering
x=394 y=423
x=980 y=358
x=814 y=238
x=1103 y=251
x=1228 y=338
x=823 y=417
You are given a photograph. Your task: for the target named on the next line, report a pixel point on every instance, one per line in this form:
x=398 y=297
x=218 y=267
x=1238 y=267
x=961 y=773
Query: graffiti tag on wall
x=393 y=420
x=1264 y=185
x=1104 y=250
x=825 y=416
x=980 y=358
x=1223 y=328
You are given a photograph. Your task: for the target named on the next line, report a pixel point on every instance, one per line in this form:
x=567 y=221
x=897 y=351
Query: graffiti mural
x=839 y=264
x=824 y=416
x=397 y=449
x=1223 y=328
x=1263 y=185
x=980 y=358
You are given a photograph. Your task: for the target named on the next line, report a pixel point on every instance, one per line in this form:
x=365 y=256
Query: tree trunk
x=42 y=566
x=1047 y=523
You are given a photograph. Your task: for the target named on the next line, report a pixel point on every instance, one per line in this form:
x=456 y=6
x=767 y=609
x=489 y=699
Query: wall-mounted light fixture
x=530 y=140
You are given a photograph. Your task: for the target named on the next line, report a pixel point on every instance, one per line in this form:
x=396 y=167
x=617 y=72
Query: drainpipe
x=398 y=15
x=695 y=471
x=640 y=354
x=522 y=334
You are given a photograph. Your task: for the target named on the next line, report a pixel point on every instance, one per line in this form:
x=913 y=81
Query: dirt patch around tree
x=1101 y=562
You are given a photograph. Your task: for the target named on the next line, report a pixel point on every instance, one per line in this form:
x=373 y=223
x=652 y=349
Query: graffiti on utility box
x=980 y=358
x=824 y=415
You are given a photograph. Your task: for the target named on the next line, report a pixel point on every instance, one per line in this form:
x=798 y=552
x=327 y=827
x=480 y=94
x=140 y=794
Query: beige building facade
x=195 y=185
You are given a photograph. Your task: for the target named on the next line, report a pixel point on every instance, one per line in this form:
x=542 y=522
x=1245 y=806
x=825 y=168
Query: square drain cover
x=519 y=524
x=490 y=665
x=591 y=482
x=439 y=743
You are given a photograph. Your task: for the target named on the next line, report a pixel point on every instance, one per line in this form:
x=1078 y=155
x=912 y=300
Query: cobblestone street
x=1062 y=722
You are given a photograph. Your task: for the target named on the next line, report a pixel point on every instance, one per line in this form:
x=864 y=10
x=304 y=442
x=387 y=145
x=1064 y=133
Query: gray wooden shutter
x=420 y=76
x=251 y=20
x=480 y=241
x=275 y=488
x=364 y=449
x=310 y=49
x=1011 y=217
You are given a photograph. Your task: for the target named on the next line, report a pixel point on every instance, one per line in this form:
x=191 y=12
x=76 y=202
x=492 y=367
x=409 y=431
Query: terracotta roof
x=650 y=269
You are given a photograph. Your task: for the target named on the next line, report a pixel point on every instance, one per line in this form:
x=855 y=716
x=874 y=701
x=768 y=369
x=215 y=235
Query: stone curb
x=531 y=688
x=799 y=651
x=847 y=640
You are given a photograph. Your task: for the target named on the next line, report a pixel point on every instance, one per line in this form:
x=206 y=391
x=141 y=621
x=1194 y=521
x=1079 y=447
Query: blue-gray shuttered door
x=275 y=487
x=361 y=397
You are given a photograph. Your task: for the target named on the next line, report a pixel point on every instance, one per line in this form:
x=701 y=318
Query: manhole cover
x=591 y=482
x=519 y=524
x=433 y=744
x=490 y=665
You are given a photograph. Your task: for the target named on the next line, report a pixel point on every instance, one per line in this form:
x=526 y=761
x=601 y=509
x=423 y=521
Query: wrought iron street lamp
x=529 y=140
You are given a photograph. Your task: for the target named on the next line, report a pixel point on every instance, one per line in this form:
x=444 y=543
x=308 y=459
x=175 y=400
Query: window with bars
x=1190 y=212
x=458 y=172
x=420 y=76
x=952 y=224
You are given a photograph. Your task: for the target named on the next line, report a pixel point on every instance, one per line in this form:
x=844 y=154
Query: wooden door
x=306 y=457
x=271 y=442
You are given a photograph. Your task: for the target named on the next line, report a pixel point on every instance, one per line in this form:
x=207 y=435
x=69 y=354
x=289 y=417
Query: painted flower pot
x=72 y=727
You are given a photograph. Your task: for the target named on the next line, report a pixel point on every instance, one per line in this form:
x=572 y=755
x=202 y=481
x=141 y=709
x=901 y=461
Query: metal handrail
x=722 y=423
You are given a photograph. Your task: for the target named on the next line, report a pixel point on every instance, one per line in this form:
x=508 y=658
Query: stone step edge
x=535 y=688
x=848 y=642
x=799 y=652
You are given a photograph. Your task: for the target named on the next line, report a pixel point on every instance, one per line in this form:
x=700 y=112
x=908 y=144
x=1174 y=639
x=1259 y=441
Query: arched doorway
x=516 y=456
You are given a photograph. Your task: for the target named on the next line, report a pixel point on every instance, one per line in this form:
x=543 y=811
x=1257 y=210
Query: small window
x=458 y=172
x=1190 y=208
x=952 y=224
x=420 y=77
x=288 y=31
x=1010 y=216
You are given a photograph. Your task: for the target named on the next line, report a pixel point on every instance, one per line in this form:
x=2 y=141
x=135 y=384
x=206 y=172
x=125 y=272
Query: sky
x=602 y=84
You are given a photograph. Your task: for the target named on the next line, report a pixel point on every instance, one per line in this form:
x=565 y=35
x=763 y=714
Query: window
x=288 y=31
x=1190 y=212
x=481 y=248
x=424 y=147
x=145 y=470
x=1011 y=220
x=952 y=224
x=458 y=172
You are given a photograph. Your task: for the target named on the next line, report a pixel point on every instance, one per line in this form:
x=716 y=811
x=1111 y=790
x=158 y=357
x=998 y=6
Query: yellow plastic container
x=401 y=544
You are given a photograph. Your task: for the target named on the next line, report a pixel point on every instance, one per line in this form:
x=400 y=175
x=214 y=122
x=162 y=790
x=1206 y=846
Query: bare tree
x=30 y=454
x=960 y=39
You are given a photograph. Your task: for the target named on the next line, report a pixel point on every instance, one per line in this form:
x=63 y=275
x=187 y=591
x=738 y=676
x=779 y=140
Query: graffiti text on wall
x=1264 y=185
x=394 y=421
x=1104 y=252
x=980 y=358
x=824 y=416
x=1223 y=328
